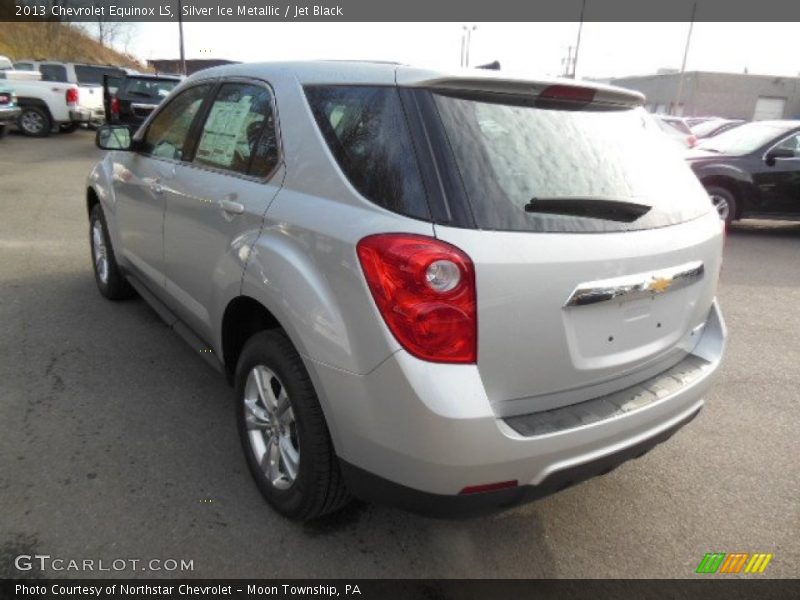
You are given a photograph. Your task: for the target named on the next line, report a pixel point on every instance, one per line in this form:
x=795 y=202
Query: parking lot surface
x=118 y=441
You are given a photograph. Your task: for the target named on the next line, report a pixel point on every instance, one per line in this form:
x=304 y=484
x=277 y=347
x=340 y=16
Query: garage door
x=769 y=108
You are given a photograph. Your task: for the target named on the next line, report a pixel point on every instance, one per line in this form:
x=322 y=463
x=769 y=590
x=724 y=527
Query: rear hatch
x=596 y=249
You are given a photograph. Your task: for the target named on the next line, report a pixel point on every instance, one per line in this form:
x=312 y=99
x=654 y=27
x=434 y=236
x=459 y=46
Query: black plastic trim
x=373 y=488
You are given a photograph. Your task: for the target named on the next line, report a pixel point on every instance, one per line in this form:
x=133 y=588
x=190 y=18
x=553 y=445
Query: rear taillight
x=425 y=290
x=5 y=98
x=692 y=140
x=115 y=106
x=72 y=96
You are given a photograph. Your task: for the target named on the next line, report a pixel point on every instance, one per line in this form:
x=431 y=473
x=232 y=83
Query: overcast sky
x=607 y=49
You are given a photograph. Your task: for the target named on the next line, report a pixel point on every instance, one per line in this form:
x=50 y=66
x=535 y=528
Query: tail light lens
x=115 y=106
x=5 y=98
x=425 y=290
x=72 y=96
x=692 y=139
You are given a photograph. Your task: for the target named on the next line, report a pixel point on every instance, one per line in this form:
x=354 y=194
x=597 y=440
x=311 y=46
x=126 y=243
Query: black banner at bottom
x=389 y=589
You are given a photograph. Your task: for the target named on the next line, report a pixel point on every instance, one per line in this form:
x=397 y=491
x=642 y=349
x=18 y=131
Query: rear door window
x=239 y=132
x=526 y=168
x=367 y=133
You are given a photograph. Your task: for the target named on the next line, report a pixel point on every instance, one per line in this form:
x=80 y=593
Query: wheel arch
x=734 y=186
x=243 y=317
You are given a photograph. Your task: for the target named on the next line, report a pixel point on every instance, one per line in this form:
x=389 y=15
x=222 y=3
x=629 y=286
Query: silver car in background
x=450 y=292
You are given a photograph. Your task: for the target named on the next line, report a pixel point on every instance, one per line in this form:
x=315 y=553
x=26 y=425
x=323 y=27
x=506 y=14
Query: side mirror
x=113 y=137
x=778 y=153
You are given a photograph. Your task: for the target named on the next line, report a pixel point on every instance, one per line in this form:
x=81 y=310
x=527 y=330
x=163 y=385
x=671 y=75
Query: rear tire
x=283 y=431
x=724 y=202
x=35 y=121
x=110 y=280
x=3 y=131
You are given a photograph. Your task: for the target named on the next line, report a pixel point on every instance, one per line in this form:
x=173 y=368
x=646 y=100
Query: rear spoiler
x=535 y=92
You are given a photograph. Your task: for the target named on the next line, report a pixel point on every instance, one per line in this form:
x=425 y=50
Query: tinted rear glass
x=366 y=131
x=150 y=89
x=87 y=74
x=535 y=169
x=53 y=73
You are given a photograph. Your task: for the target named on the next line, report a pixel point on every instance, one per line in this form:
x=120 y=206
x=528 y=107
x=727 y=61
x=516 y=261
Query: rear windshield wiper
x=592 y=208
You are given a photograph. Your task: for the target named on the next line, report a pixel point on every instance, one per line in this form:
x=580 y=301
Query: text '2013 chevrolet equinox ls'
x=447 y=292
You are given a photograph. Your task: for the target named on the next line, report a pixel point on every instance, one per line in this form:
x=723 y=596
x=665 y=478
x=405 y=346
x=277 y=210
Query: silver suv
x=447 y=292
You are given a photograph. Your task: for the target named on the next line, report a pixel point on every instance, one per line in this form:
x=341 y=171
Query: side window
x=792 y=144
x=239 y=132
x=167 y=134
x=366 y=131
x=23 y=66
x=53 y=73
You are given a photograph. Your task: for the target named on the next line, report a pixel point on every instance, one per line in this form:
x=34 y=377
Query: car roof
x=331 y=72
x=153 y=76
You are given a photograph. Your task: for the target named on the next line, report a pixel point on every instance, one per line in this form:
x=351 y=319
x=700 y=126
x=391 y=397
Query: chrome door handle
x=229 y=206
x=156 y=188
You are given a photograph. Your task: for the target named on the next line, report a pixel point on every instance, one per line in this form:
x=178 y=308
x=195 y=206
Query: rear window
x=151 y=89
x=93 y=75
x=535 y=169
x=53 y=73
x=366 y=131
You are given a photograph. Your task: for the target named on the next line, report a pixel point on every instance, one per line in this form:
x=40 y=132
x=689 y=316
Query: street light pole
x=578 y=42
x=180 y=36
x=466 y=40
x=685 y=55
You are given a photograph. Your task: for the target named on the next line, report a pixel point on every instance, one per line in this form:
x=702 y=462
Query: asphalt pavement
x=117 y=441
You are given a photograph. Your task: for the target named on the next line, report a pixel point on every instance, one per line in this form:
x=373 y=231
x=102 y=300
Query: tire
x=35 y=121
x=317 y=487
x=68 y=128
x=3 y=131
x=724 y=202
x=110 y=280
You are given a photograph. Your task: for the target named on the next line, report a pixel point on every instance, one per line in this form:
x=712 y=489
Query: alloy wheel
x=271 y=427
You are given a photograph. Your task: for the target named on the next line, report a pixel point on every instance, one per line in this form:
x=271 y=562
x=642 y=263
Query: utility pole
x=180 y=36
x=568 y=62
x=685 y=55
x=578 y=42
x=466 y=40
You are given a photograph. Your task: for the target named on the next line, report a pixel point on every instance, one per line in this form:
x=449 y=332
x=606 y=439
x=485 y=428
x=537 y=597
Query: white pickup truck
x=49 y=105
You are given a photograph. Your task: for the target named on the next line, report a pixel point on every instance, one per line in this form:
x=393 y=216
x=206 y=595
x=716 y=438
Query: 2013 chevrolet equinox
x=448 y=292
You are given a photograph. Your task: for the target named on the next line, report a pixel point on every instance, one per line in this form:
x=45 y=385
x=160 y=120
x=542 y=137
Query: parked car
x=88 y=77
x=45 y=106
x=129 y=100
x=677 y=130
x=693 y=121
x=752 y=170
x=9 y=109
x=444 y=292
x=712 y=127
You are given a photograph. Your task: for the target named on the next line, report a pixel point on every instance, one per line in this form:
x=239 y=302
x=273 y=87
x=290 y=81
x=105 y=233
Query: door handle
x=231 y=206
x=156 y=187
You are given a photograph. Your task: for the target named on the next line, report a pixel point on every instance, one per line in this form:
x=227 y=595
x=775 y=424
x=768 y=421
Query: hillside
x=57 y=41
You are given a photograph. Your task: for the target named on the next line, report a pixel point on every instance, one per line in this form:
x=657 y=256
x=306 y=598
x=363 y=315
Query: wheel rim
x=32 y=122
x=271 y=427
x=100 y=252
x=722 y=206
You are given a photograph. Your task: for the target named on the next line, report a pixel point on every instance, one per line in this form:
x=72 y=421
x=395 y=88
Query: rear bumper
x=428 y=431
x=9 y=115
x=373 y=488
x=86 y=115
